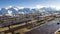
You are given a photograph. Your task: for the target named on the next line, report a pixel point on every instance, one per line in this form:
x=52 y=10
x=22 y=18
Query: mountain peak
x=19 y=10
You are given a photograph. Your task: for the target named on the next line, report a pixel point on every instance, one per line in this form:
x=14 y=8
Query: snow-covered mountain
x=16 y=10
x=3 y=11
x=25 y=10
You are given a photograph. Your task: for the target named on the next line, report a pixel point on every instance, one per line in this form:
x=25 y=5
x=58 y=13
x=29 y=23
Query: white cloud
x=39 y=6
x=8 y=7
x=52 y=6
x=20 y=7
x=57 y=8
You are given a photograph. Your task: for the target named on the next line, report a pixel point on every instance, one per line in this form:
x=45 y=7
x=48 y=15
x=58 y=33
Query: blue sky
x=28 y=3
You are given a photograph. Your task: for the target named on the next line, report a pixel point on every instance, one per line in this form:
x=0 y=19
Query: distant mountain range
x=15 y=10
